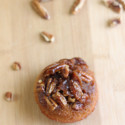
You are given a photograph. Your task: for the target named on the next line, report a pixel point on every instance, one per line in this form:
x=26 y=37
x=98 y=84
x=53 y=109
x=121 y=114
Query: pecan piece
x=8 y=96
x=52 y=87
x=122 y=3
x=77 y=6
x=40 y=9
x=77 y=91
x=77 y=106
x=51 y=103
x=114 y=22
x=60 y=99
x=40 y=87
x=47 y=37
x=48 y=85
x=62 y=67
x=16 y=66
x=115 y=6
x=71 y=99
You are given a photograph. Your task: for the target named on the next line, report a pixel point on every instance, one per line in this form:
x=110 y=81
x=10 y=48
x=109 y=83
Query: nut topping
x=40 y=9
x=48 y=86
x=77 y=6
x=52 y=87
x=47 y=37
x=62 y=67
x=51 y=103
x=67 y=83
x=60 y=99
x=76 y=90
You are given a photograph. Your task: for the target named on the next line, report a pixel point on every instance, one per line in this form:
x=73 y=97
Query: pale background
x=84 y=35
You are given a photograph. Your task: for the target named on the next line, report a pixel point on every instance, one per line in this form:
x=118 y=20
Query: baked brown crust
x=51 y=96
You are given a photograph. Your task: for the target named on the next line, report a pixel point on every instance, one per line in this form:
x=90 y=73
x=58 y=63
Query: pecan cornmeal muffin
x=66 y=91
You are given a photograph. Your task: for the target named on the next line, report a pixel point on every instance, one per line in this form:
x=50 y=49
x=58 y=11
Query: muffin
x=66 y=91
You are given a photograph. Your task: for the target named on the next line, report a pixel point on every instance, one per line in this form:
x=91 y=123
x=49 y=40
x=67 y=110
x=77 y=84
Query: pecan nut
x=77 y=6
x=40 y=9
x=60 y=99
x=51 y=103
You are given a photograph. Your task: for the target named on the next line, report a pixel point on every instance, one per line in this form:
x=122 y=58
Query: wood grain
x=84 y=35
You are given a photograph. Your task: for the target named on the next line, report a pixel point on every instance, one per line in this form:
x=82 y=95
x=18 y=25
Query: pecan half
x=60 y=99
x=48 y=86
x=62 y=67
x=51 y=103
x=52 y=87
x=114 y=22
x=86 y=77
x=77 y=6
x=77 y=91
x=40 y=9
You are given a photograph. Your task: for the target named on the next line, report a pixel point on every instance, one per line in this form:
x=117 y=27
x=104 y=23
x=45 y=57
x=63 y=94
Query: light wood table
x=84 y=35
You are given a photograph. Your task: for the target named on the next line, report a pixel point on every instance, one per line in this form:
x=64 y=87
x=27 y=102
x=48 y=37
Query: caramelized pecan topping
x=66 y=83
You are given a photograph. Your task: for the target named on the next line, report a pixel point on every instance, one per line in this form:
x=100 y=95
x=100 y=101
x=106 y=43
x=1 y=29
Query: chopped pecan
x=8 y=96
x=115 y=6
x=16 y=66
x=60 y=99
x=114 y=22
x=40 y=9
x=77 y=106
x=47 y=37
x=122 y=3
x=51 y=103
x=71 y=99
x=78 y=4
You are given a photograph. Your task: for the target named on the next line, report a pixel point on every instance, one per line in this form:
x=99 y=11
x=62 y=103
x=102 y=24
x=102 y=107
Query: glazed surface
x=66 y=89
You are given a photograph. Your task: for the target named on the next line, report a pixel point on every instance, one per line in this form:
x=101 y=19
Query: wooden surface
x=84 y=35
